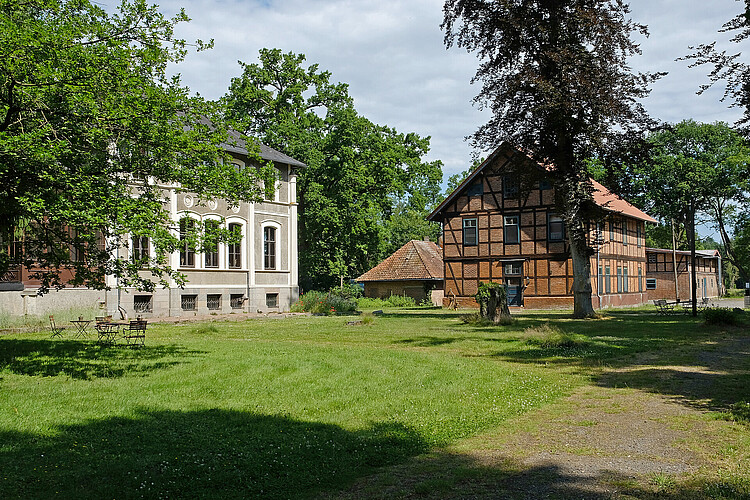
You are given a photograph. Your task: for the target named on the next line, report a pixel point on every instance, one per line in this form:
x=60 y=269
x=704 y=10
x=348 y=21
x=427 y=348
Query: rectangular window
x=619 y=280
x=652 y=257
x=607 y=280
x=599 y=283
x=640 y=279
x=650 y=283
x=475 y=189
x=625 y=285
x=512 y=231
x=624 y=232
x=269 y=247
x=470 y=232
x=513 y=269
x=187 y=248
x=188 y=302
x=544 y=184
x=612 y=229
x=555 y=228
x=510 y=186
x=272 y=300
x=213 y=301
x=236 y=300
x=142 y=303
x=638 y=234
x=235 y=246
x=140 y=250
x=211 y=244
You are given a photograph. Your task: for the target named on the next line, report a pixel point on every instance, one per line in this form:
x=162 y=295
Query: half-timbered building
x=500 y=225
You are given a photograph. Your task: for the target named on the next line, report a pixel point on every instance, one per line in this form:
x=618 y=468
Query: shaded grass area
x=287 y=408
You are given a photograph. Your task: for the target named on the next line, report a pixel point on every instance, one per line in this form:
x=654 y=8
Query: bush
x=400 y=301
x=551 y=337
x=325 y=303
x=721 y=316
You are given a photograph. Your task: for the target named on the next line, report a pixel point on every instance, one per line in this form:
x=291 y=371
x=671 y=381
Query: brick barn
x=660 y=276
x=414 y=270
x=500 y=225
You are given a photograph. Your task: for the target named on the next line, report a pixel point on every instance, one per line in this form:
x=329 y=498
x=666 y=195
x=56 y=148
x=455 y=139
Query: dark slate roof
x=267 y=153
x=417 y=260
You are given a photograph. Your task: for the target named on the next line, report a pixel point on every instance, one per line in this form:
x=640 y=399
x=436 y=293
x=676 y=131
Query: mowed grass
x=284 y=408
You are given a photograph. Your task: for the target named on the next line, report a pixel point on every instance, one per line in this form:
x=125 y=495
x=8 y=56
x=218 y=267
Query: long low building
x=661 y=276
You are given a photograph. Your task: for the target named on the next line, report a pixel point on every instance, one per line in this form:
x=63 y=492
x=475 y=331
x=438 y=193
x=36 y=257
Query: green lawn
x=283 y=408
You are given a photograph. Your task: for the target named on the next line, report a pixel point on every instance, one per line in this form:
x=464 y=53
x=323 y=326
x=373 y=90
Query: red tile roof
x=416 y=260
x=610 y=201
x=602 y=196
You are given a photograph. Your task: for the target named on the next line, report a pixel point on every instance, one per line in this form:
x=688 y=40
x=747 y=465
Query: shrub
x=720 y=316
x=400 y=301
x=324 y=303
x=551 y=337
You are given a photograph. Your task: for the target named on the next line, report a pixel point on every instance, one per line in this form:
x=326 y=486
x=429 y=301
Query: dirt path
x=643 y=431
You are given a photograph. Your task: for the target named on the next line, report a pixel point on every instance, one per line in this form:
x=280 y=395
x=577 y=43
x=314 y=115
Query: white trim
x=277 y=214
x=277 y=232
x=197 y=256
x=220 y=245
x=243 y=243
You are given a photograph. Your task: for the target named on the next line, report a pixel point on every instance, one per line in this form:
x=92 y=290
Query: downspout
x=247 y=290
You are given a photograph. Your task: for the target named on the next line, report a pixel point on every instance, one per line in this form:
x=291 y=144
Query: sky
x=400 y=74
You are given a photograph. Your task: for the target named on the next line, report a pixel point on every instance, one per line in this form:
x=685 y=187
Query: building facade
x=660 y=274
x=256 y=273
x=500 y=225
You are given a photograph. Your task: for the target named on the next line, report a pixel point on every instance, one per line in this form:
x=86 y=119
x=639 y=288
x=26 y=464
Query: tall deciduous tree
x=91 y=128
x=700 y=168
x=356 y=170
x=556 y=77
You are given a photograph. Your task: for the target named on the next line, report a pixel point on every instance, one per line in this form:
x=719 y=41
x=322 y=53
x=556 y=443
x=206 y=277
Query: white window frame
x=277 y=258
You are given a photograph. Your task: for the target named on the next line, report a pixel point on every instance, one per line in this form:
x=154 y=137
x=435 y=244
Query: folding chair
x=135 y=333
x=56 y=330
x=107 y=333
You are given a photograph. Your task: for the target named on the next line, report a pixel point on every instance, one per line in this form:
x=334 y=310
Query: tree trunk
x=579 y=253
x=497 y=305
x=674 y=265
x=693 y=272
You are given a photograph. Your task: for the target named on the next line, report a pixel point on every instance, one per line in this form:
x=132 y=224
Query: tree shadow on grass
x=86 y=360
x=443 y=475
x=709 y=376
x=196 y=454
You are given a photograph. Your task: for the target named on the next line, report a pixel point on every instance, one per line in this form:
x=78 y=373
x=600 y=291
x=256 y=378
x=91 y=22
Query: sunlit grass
x=269 y=407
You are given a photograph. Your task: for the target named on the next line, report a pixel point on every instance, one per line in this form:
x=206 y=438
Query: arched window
x=269 y=247
x=211 y=243
x=187 y=242
x=235 y=246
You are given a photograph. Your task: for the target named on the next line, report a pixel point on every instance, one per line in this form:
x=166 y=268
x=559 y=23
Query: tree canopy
x=91 y=130
x=699 y=168
x=357 y=172
x=555 y=75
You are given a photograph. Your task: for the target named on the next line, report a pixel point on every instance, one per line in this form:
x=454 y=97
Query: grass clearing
x=289 y=408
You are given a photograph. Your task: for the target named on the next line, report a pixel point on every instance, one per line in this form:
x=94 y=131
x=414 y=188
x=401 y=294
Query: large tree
x=357 y=171
x=700 y=168
x=91 y=129
x=555 y=75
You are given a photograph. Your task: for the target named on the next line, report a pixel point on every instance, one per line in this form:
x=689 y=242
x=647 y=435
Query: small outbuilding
x=414 y=270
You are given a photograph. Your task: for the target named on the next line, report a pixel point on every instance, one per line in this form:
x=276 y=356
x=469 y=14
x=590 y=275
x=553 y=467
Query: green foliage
x=493 y=301
x=356 y=172
x=576 y=53
x=337 y=300
x=405 y=224
x=392 y=301
x=721 y=316
x=89 y=120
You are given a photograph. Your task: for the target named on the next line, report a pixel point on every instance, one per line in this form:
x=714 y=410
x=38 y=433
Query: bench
x=664 y=307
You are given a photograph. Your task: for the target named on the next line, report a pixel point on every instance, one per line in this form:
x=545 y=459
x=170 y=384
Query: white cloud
x=391 y=54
